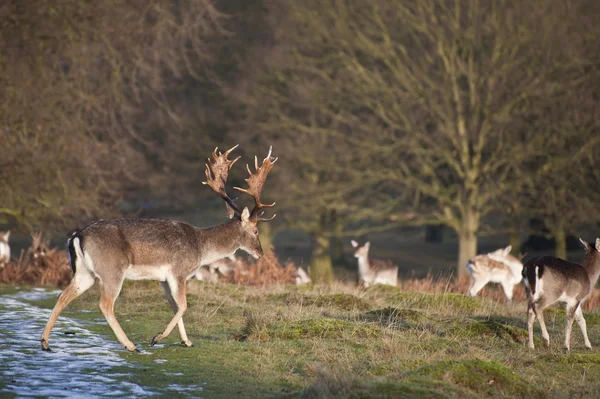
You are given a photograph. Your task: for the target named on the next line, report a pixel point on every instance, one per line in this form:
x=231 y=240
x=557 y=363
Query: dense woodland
x=384 y=113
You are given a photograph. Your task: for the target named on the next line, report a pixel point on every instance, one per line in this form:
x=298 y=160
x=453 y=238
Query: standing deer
x=548 y=280
x=169 y=251
x=496 y=267
x=4 y=249
x=373 y=271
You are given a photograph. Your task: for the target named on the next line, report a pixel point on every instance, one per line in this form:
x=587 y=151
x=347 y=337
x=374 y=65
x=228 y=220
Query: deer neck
x=364 y=265
x=592 y=265
x=218 y=242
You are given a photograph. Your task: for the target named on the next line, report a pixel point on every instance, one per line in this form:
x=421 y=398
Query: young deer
x=496 y=267
x=373 y=271
x=548 y=280
x=169 y=251
x=4 y=249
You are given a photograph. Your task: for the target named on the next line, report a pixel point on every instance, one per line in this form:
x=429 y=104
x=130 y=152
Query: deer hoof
x=45 y=346
x=156 y=339
x=187 y=343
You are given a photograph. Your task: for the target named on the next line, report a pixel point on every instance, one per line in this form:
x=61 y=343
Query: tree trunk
x=467 y=242
x=266 y=237
x=337 y=243
x=560 y=238
x=514 y=238
x=321 y=268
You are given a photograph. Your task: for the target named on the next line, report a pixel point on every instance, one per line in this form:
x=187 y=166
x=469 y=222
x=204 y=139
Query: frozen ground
x=81 y=364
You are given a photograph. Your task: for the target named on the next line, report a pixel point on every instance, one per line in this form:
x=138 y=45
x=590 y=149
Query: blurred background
x=436 y=129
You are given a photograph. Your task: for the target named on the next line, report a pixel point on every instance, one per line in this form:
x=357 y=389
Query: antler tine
x=256 y=182
x=216 y=175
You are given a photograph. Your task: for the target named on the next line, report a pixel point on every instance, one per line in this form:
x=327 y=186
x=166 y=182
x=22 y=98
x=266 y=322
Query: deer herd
x=111 y=251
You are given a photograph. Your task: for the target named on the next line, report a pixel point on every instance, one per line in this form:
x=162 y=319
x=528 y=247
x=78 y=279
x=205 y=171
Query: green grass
x=341 y=341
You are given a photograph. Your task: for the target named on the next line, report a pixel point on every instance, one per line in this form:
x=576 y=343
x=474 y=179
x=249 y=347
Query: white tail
x=373 y=271
x=169 y=251
x=495 y=267
x=548 y=280
x=4 y=249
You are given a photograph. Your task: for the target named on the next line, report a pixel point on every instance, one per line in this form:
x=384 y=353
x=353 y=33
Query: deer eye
x=255 y=232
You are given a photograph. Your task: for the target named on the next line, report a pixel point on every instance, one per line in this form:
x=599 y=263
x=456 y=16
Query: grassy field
x=340 y=341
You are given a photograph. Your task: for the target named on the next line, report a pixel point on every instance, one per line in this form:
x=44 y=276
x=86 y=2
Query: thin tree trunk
x=266 y=237
x=321 y=268
x=337 y=243
x=560 y=238
x=514 y=238
x=467 y=243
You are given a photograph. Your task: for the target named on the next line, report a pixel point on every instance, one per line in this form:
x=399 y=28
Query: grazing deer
x=169 y=251
x=373 y=271
x=496 y=267
x=548 y=280
x=4 y=249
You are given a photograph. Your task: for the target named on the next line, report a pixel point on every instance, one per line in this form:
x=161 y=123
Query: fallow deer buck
x=4 y=249
x=495 y=267
x=373 y=271
x=169 y=251
x=548 y=280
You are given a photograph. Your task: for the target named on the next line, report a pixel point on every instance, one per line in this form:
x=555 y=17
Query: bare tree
x=424 y=93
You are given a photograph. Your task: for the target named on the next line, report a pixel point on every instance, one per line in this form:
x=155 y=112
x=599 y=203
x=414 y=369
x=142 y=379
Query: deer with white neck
x=495 y=267
x=548 y=280
x=373 y=271
x=169 y=251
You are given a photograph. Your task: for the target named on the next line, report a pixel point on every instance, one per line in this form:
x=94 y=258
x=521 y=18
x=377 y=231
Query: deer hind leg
x=110 y=290
x=477 y=285
x=583 y=326
x=182 y=334
x=177 y=287
x=82 y=281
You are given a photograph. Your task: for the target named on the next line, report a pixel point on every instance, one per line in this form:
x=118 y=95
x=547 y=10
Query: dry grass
x=266 y=271
x=40 y=265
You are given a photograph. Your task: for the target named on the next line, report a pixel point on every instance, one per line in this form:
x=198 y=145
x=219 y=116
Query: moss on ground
x=485 y=329
x=394 y=317
x=482 y=377
x=340 y=301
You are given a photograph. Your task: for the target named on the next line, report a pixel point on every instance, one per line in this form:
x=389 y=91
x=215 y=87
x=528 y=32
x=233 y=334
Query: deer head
x=361 y=250
x=216 y=177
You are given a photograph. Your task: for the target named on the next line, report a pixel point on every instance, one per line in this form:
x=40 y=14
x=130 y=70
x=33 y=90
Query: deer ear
x=585 y=244
x=367 y=244
x=507 y=250
x=598 y=244
x=7 y=234
x=245 y=215
x=354 y=243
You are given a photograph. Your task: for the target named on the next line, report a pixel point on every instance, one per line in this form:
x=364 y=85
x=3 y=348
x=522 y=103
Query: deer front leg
x=530 y=321
x=570 y=314
x=583 y=326
x=538 y=308
x=177 y=287
x=182 y=334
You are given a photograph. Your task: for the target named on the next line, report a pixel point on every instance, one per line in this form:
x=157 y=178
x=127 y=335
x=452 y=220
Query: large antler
x=220 y=169
x=256 y=182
